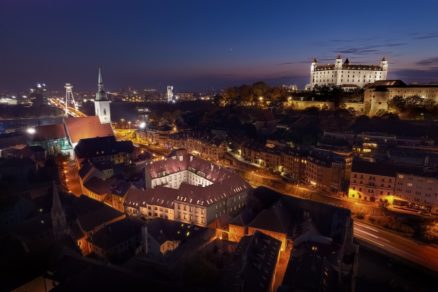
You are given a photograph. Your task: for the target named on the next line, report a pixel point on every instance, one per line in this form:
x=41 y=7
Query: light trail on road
x=418 y=253
x=70 y=110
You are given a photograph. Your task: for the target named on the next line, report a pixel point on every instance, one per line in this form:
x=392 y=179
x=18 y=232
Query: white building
x=101 y=103
x=418 y=189
x=188 y=189
x=169 y=93
x=345 y=74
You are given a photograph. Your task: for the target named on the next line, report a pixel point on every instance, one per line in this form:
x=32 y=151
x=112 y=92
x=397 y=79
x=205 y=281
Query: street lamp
x=129 y=125
x=31 y=131
x=142 y=125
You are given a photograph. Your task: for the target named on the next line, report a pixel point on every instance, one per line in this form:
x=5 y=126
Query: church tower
x=59 y=222
x=101 y=103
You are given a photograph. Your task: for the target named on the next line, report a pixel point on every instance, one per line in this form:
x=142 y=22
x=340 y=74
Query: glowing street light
x=31 y=131
x=142 y=125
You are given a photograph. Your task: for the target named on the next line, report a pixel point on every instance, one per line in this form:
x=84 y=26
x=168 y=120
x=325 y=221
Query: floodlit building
x=188 y=189
x=345 y=74
x=326 y=170
x=102 y=103
x=169 y=93
x=411 y=188
x=379 y=94
x=371 y=181
x=418 y=189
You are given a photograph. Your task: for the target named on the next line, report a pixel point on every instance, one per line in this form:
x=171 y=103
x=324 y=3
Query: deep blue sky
x=203 y=44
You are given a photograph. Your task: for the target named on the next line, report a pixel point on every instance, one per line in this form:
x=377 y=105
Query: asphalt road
x=394 y=244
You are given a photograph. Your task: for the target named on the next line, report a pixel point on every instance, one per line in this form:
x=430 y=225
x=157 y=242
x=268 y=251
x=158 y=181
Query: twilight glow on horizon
x=201 y=45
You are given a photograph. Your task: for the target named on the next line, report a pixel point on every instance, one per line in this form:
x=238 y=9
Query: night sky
x=208 y=44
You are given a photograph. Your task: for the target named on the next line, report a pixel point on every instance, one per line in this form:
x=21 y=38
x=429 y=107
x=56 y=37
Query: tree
x=397 y=102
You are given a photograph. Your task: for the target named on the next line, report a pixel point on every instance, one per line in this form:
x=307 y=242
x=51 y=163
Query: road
x=394 y=244
x=70 y=110
x=69 y=177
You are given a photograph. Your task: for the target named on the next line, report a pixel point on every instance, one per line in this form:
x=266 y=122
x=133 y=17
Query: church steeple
x=59 y=222
x=100 y=94
x=101 y=102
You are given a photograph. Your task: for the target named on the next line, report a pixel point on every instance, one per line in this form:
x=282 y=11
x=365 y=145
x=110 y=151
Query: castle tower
x=101 y=103
x=312 y=70
x=384 y=65
x=338 y=63
x=59 y=221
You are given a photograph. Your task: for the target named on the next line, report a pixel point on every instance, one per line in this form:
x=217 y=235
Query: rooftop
x=255 y=260
x=224 y=183
x=376 y=168
x=49 y=132
x=116 y=233
x=86 y=127
x=100 y=146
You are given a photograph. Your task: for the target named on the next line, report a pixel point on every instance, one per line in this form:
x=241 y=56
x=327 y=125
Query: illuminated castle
x=343 y=73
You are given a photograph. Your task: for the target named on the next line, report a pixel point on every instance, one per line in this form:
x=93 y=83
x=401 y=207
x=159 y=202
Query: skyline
x=201 y=46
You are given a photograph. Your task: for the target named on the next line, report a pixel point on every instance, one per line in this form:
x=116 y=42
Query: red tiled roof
x=86 y=127
x=49 y=132
x=99 y=186
x=224 y=183
x=159 y=196
x=179 y=163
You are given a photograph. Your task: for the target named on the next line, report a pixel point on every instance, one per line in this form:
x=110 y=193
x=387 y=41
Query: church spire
x=59 y=222
x=100 y=81
x=100 y=94
x=101 y=102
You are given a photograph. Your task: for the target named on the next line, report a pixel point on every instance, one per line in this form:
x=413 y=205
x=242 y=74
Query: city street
x=70 y=177
x=394 y=244
x=70 y=110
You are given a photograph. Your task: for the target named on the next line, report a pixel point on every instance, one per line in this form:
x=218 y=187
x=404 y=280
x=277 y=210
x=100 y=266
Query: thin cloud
x=425 y=36
x=287 y=63
x=368 y=50
x=428 y=62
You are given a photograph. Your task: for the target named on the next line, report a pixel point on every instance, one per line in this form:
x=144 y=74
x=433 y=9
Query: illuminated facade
x=169 y=93
x=410 y=188
x=418 y=189
x=343 y=73
x=326 y=171
x=378 y=95
x=102 y=103
x=187 y=189
x=371 y=185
